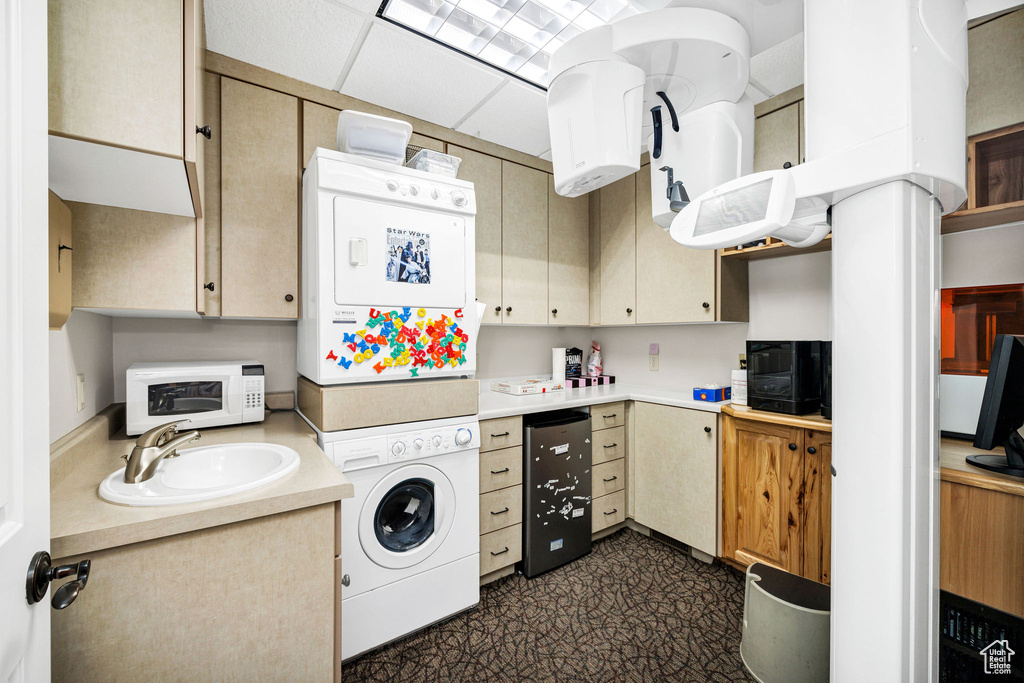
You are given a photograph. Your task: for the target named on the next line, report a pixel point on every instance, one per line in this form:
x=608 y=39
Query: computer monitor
x=1002 y=409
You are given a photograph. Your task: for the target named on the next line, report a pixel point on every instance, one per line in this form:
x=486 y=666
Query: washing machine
x=410 y=538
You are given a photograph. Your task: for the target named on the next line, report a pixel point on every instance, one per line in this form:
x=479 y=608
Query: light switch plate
x=80 y=390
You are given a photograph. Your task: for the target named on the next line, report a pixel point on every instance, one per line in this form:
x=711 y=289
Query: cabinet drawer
x=609 y=477
x=608 y=511
x=501 y=433
x=500 y=549
x=501 y=508
x=501 y=469
x=607 y=444
x=607 y=415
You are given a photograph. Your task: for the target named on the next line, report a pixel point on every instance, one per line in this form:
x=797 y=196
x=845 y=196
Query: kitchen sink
x=204 y=473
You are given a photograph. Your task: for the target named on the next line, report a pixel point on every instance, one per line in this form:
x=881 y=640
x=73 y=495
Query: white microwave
x=207 y=394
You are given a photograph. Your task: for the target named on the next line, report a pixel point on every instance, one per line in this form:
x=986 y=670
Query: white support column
x=885 y=312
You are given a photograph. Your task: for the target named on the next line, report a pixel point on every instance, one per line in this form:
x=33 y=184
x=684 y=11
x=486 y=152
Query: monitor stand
x=1011 y=464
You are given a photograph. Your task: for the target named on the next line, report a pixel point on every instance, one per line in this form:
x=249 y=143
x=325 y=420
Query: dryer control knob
x=434 y=194
x=436 y=441
x=417 y=444
x=392 y=185
x=458 y=198
x=414 y=190
x=398 y=448
x=463 y=436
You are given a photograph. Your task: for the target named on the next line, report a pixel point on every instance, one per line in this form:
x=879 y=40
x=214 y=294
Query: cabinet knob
x=792 y=446
x=508 y=310
x=788 y=164
x=706 y=305
x=497 y=309
x=204 y=131
x=209 y=286
x=629 y=311
x=707 y=430
x=554 y=311
x=289 y=298
x=812 y=450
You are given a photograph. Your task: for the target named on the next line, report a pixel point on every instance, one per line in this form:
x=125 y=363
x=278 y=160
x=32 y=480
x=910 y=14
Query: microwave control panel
x=252 y=393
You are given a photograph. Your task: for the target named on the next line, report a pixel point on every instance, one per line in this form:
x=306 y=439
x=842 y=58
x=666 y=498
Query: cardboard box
x=712 y=395
x=525 y=387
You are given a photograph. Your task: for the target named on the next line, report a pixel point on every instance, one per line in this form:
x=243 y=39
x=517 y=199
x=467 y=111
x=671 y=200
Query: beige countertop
x=952 y=457
x=494 y=404
x=81 y=521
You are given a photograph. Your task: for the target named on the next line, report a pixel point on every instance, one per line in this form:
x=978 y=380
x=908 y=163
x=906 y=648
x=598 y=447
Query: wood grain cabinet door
x=485 y=173
x=568 y=258
x=762 y=476
x=259 y=202
x=524 y=245
x=674 y=284
x=777 y=138
x=618 y=252
x=817 y=541
x=674 y=487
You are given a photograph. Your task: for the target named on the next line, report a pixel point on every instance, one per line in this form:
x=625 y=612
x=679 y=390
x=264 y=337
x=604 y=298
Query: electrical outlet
x=654 y=358
x=80 y=391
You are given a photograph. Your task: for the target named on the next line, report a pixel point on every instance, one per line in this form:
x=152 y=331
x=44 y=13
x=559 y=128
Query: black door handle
x=608 y=417
x=204 y=131
x=611 y=445
x=612 y=479
x=656 y=116
x=508 y=310
x=500 y=471
x=497 y=309
x=41 y=573
x=498 y=436
x=706 y=305
x=812 y=450
x=554 y=311
x=707 y=430
x=500 y=552
x=499 y=512
x=209 y=286
x=792 y=446
x=612 y=512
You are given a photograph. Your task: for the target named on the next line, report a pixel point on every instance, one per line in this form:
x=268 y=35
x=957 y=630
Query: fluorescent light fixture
x=514 y=36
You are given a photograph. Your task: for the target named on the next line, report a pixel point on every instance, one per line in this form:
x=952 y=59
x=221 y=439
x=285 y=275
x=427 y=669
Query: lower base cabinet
x=501 y=497
x=250 y=612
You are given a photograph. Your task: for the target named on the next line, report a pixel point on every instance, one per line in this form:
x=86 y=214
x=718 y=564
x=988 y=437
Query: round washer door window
x=406 y=516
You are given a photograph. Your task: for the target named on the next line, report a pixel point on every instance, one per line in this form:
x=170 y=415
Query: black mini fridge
x=557 y=510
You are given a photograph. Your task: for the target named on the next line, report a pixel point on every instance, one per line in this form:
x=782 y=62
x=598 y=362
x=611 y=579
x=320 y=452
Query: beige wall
x=84 y=345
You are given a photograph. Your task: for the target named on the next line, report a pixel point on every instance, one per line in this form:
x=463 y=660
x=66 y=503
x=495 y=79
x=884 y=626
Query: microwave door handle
x=234 y=395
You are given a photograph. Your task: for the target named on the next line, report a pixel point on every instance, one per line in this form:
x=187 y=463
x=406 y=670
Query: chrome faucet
x=152 y=447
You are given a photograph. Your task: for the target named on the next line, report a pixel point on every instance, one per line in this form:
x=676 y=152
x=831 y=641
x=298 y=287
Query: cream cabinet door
x=485 y=173
x=524 y=245
x=674 y=284
x=777 y=139
x=259 y=202
x=568 y=258
x=675 y=468
x=995 y=62
x=618 y=252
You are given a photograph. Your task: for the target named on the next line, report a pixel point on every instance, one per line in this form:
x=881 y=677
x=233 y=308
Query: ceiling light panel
x=515 y=36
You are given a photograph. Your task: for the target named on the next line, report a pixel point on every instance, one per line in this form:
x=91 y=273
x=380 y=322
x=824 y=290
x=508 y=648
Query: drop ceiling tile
x=516 y=116
x=363 y=6
x=781 y=67
x=400 y=70
x=305 y=39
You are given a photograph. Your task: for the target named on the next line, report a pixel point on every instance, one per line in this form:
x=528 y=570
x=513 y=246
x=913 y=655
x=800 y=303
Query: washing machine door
x=406 y=516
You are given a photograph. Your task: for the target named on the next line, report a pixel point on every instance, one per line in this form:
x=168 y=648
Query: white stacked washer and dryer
x=388 y=294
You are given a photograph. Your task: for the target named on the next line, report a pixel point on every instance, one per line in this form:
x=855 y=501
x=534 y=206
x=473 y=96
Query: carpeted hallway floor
x=632 y=610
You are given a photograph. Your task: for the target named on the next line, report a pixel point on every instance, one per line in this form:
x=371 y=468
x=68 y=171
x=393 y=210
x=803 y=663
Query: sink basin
x=204 y=473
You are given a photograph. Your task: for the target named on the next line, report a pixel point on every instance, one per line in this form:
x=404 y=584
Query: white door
x=24 y=398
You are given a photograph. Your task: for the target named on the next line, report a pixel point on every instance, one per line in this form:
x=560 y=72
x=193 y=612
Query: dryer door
x=406 y=516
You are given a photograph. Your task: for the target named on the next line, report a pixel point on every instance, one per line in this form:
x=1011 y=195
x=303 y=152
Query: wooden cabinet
x=995 y=98
x=125 y=100
x=568 y=258
x=260 y=183
x=501 y=496
x=608 y=466
x=59 y=251
x=776 y=492
x=485 y=173
x=617 y=228
x=777 y=138
x=674 y=284
x=675 y=462
x=524 y=245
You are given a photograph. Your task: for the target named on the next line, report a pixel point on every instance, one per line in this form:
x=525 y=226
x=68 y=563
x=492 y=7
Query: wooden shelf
x=983 y=217
x=995 y=181
x=775 y=248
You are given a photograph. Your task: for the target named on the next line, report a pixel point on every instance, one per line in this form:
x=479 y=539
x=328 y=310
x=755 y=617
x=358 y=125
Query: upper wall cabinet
x=259 y=222
x=674 y=284
x=125 y=103
x=777 y=138
x=485 y=173
x=320 y=129
x=617 y=235
x=524 y=245
x=995 y=98
x=568 y=258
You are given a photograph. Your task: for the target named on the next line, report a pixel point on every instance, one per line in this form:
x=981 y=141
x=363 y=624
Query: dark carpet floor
x=632 y=610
